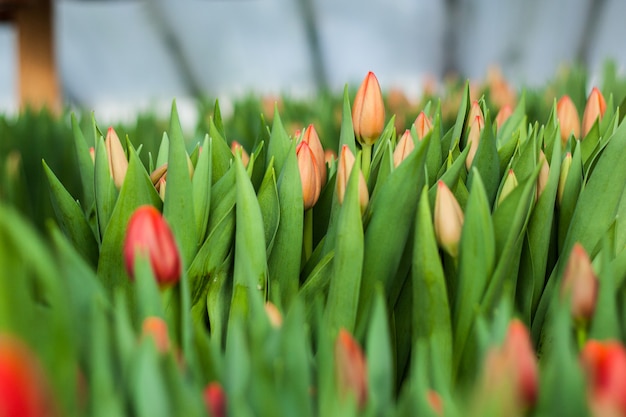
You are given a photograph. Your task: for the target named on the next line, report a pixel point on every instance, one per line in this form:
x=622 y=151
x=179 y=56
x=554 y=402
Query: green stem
x=366 y=160
x=581 y=335
x=307 y=238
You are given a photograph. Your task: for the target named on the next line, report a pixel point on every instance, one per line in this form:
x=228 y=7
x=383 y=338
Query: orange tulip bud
x=565 y=167
x=156 y=328
x=435 y=402
x=423 y=125
x=149 y=235
x=215 y=400
x=92 y=154
x=235 y=147
x=474 y=111
x=580 y=284
x=23 y=388
x=309 y=175
x=274 y=316
x=329 y=156
x=368 y=112
x=346 y=162
x=505 y=112
x=448 y=220
x=118 y=164
x=473 y=139
x=605 y=366
x=594 y=110
x=404 y=147
x=542 y=179
x=313 y=140
x=351 y=369
x=568 y=118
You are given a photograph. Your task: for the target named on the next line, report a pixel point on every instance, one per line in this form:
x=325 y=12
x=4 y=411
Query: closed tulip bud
x=309 y=175
x=215 y=400
x=423 y=125
x=510 y=183
x=346 y=162
x=568 y=118
x=274 y=316
x=236 y=147
x=473 y=139
x=448 y=219
x=23 y=389
x=149 y=235
x=156 y=328
x=368 y=112
x=580 y=284
x=475 y=111
x=404 y=147
x=351 y=369
x=435 y=402
x=503 y=114
x=565 y=167
x=604 y=364
x=92 y=154
x=594 y=110
x=542 y=179
x=118 y=164
x=313 y=140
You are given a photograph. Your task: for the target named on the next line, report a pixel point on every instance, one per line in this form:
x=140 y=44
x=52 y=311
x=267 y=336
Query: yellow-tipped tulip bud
x=236 y=147
x=565 y=167
x=568 y=118
x=313 y=140
x=423 y=125
x=309 y=175
x=368 y=112
x=580 y=283
x=505 y=112
x=448 y=220
x=510 y=183
x=473 y=139
x=346 y=162
x=404 y=147
x=542 y=180
x=594 y=110
x=118 y=164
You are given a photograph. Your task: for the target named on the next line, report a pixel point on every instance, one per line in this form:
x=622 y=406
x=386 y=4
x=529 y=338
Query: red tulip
x=215 y=399
x=605 y=366
x=149 y=235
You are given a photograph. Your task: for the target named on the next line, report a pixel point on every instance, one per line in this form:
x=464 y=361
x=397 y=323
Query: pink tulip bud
x=568 y=118
x=368 y=112
x=156 y=328
x=351 y=369
x=235 y=147
x=215 y=400
x=594 y=110
x=309 y=175
x=118 y=164
x=580 y=283
x=149 y=235
x=473 y=139
x=423 y=125
x=503 y=114
x=474 y=111
x=605 y=366
x=346 y=162
x=404 y=147
x=448 y=219
x=23 y=389
x=313 y=140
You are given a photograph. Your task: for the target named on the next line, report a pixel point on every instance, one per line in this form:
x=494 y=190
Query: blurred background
x=121 y=57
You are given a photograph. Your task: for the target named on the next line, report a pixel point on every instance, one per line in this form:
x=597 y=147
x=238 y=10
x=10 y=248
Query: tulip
x=156 y=328
x=23 y=388
x=474 y=111
x=274 y=316
x=92 y=154
x=512 y=370
x=580 y=283
x=236 y=147
x=350 y=367
x=329 y=156
x=565 y=167
x=346 y=162
x=313 y=140
x=423 y=125
x=368 y=112
x=510 y=183
x=568 y=118
x=310 y=177
x=404 y=147
x=594 y=110
x=448 y=219
x=473 y=139
x=118 y=164
x=215 y=400
x=503 y=114
x=435 y=402
x=604 y=364
x=149 y=235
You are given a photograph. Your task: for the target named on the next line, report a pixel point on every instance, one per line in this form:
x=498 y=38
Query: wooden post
x=38 y=80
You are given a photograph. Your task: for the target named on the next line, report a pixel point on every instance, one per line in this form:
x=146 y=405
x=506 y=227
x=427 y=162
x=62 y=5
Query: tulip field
x=460 y=253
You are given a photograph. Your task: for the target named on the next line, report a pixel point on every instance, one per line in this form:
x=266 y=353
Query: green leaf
x=279 y=144
x=270 y=207
x=104 y=188
x=346 y=137
x=379 y=358
x=201 y=183
x=220 y=153
x=464 y=108
x=85 y=165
